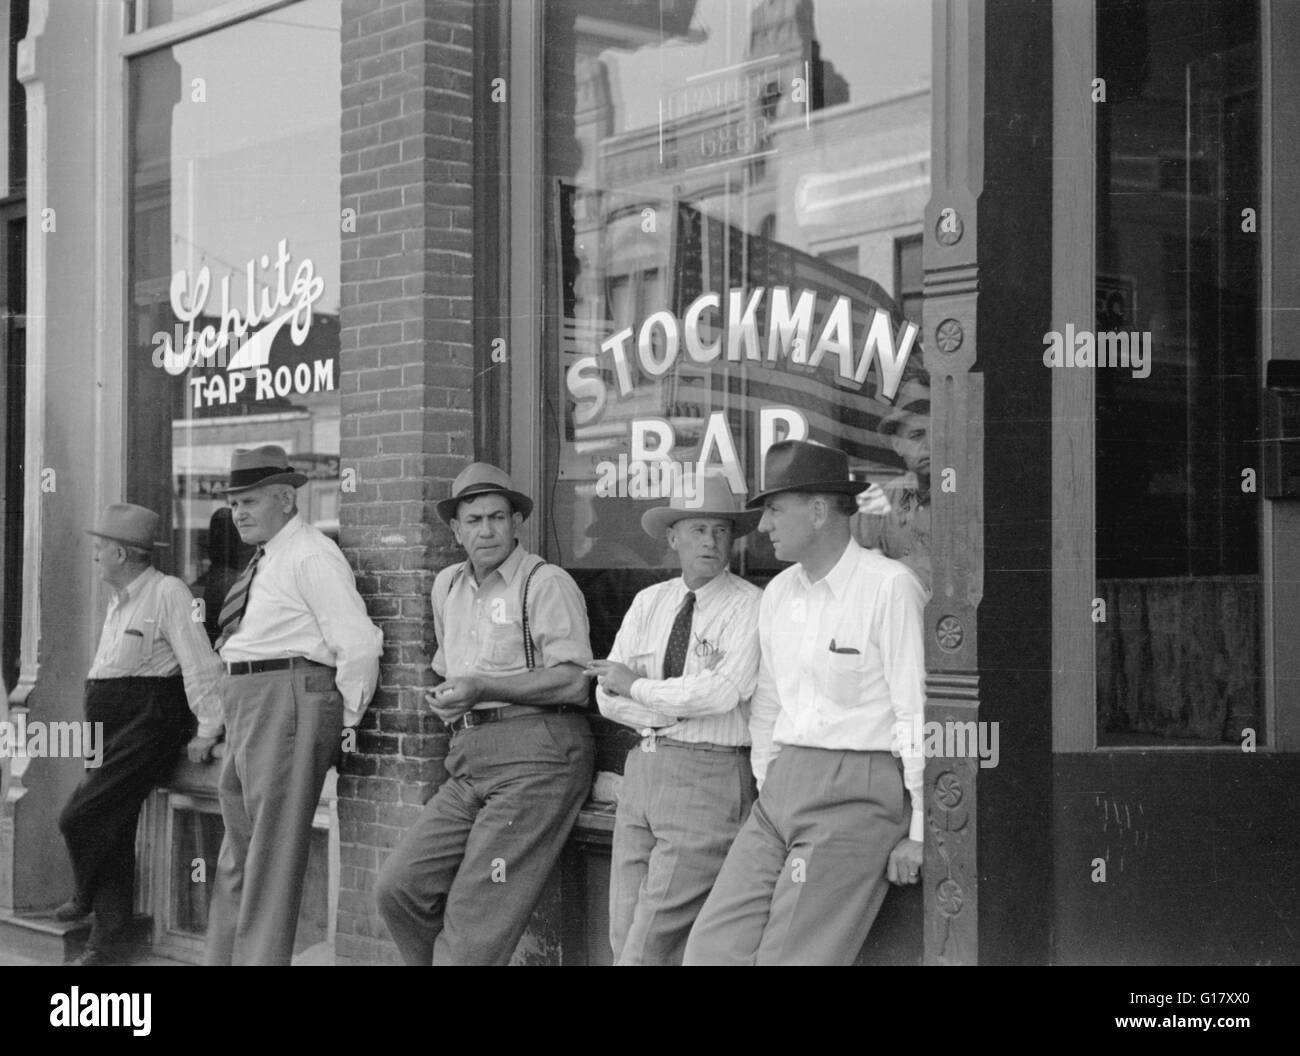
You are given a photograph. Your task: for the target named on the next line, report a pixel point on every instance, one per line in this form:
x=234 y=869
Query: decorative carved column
x=987 y=303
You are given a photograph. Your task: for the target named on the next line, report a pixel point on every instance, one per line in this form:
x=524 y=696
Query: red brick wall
x=406 y=379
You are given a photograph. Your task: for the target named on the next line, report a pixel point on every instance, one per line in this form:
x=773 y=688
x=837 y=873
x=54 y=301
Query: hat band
x=246 y=478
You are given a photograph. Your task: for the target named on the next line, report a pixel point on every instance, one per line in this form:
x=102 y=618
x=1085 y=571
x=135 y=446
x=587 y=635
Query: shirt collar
x=284 y=536
x=837 y=579
x=132 y=589
x=710 y=589
x=508 y=568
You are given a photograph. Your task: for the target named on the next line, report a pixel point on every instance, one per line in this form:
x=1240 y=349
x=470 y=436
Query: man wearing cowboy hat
x=894 y=518
x=153 y=666
x=692 y=644
x=302 y=662
x=512 y=645
x=842 y=669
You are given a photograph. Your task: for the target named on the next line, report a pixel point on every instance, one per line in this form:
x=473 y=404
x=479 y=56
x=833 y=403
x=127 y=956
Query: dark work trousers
x=460 y=886
x=283 y=730
x=147 y=722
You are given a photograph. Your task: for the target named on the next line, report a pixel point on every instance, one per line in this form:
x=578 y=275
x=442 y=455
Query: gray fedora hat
x=482 y=478
x=128 y=524
x=713 y=499
x=801 y=465
x=258 y=466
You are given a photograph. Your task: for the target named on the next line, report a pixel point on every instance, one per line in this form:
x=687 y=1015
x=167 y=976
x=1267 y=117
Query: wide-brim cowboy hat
x=801 y=465
x=128 y=524
x=257 y=467
x=713 y=498
x=481 y=478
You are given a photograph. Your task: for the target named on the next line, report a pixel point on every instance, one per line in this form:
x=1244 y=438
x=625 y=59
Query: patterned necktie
x=679 y=638
x=232 y=612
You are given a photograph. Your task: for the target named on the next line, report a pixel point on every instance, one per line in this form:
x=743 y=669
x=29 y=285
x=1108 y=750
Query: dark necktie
x=679 y=638
x=232 y=612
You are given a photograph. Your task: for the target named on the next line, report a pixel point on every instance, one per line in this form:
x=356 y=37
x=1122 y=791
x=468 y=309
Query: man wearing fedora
x=302 y=661
x=511 y=648
x=153 y=666
x=681 y=671
x=842 y=669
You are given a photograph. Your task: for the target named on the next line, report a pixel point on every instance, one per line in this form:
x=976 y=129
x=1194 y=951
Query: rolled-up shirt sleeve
x=557 y=619
x=200 y=667
x=328 y=587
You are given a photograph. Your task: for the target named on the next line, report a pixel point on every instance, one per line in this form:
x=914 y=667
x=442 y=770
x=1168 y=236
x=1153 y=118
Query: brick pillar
x=406 y=380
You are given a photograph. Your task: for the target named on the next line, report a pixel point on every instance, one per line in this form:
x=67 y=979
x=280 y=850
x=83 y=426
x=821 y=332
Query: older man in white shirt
x=842 y=669
x=302 y=662
x=681 y=671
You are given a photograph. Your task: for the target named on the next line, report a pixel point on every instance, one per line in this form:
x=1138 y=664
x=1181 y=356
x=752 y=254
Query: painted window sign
x=240 y=344
x=728 y=190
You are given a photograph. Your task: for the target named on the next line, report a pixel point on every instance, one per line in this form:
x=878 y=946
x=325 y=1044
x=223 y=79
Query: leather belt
x=484 y=716
x=700 y=746
x=259 y=667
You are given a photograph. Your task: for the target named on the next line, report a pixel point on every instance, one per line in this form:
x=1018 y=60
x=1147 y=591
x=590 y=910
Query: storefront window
x=727 y=182
x=1178 y=374
x=234 y=272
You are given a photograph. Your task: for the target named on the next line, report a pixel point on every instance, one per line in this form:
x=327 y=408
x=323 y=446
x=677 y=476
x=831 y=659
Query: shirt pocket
x=845 y=675
x=503 y=645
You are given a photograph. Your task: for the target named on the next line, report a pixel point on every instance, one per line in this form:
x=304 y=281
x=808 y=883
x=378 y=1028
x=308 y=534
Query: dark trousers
x=460 y=886
x=146 y=723
x=806 y=876
x=283 y=729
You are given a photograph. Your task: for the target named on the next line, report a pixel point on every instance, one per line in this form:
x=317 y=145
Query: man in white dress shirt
x=152 y=668
x=681 y=671
x=842 y=669
x=302 y=662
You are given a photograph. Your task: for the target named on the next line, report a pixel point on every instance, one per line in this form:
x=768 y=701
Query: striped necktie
x=679 y=638
x=232 y=612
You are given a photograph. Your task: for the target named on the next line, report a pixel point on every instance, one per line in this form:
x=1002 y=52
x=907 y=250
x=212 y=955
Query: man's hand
x=200 y=748
x=873 y=501
x=905 y=862
x=454 y=697
x=614 y=677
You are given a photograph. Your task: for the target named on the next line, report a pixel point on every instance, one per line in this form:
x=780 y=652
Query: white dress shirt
x=843 y=665
x=150 y=632
x=710 y=700
x=304 y=602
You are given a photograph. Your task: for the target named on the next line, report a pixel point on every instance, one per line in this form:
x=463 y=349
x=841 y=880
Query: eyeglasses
x=704 y=648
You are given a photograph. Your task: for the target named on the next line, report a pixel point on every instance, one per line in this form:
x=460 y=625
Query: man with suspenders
x=512 y=647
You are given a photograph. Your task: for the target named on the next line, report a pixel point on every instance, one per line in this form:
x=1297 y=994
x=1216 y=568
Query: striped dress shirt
x=150 y=631
x=710 y=700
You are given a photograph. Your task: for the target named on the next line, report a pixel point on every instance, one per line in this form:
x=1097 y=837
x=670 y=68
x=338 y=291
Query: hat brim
x=157 y=544
x=520 y=502
x=833 y=487
x=657 y=521
x=287 y=477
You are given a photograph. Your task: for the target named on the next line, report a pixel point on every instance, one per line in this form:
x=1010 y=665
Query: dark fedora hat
x=481 y=478
x=128 y=524
x=801 y=465
x=258 y=466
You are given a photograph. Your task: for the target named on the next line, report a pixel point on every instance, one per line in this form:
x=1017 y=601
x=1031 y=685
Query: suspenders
x=530 y=648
